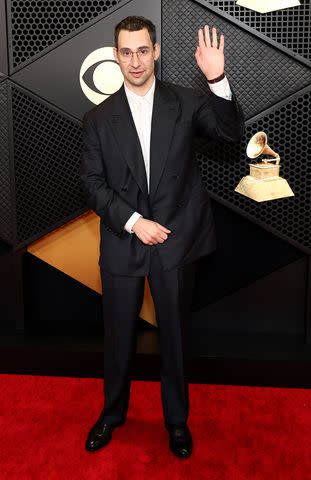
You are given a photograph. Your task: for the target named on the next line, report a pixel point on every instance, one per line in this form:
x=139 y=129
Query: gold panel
x=74 y=250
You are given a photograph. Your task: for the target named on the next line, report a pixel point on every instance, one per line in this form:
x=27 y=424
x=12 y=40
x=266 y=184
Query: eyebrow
x=128 y=48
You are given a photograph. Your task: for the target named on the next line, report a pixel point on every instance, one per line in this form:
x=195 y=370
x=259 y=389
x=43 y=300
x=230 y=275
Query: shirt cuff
x=129 y=224
x=221 y=89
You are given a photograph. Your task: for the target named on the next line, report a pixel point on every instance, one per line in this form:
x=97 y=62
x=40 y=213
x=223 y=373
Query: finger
x=198 y=54
x=214 y=33
x=207 y=36
x=164 y=229
x=201 y=39
x=222 y=43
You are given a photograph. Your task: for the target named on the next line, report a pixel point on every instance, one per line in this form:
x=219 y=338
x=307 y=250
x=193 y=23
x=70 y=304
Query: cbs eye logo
x=103 y=71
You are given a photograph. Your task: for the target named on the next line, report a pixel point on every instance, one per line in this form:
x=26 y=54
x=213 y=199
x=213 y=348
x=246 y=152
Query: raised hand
x=209 y=56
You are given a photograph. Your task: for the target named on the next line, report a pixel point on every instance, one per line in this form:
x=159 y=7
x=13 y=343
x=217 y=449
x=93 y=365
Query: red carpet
x=239 y=433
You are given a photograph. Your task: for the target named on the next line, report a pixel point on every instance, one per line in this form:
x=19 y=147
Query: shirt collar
x=148 y=97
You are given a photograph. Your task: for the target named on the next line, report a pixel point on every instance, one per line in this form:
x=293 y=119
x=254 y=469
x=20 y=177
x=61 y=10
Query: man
x=140 y=176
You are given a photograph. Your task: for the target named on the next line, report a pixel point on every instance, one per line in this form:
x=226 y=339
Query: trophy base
x=263 y=190
x=263 y=171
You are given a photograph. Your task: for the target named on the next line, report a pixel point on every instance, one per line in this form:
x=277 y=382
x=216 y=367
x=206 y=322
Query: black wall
x=257 y=282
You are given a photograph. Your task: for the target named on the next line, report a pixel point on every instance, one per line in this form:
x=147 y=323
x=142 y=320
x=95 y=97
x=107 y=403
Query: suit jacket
x=114 y=180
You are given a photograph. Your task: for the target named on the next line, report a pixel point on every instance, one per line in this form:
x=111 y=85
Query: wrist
x=217 y=79
x=136 y=222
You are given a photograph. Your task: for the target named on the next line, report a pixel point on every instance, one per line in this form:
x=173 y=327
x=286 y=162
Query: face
x=138 y=70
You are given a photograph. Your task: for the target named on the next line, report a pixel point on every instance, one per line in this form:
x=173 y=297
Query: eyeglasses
x=126 y=54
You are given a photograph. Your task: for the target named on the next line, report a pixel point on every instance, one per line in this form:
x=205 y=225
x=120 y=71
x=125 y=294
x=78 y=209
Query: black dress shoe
x=99 y=435
x=180 y=440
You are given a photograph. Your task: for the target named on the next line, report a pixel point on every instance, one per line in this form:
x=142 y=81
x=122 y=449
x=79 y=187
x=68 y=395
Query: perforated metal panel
x=260 y=74
x=6 y=227
x=46 y=142
x=290 y=27
x=47 y=148
x=263 y=78
x=35 y=25
x=288 y=127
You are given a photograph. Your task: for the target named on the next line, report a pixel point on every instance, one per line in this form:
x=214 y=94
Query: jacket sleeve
x=218 y=118
x=100 y=197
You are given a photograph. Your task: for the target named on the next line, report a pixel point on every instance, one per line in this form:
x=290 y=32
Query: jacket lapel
x=125 y=133
x=164 y=115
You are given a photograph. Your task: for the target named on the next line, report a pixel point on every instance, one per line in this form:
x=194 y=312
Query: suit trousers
x=122 y=299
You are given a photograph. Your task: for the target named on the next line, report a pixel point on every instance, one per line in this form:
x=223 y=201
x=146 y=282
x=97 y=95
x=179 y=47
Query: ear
x=157 y=51
x=115 y=53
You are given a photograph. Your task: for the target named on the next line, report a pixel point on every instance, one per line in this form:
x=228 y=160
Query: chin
x=138 y=82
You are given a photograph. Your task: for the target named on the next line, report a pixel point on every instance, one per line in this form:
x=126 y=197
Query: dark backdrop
x=261 y=269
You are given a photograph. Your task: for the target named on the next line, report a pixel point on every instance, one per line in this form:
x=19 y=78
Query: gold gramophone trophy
x=263 y=183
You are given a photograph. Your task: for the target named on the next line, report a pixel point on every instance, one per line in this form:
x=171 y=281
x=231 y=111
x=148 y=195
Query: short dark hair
x=133 y=24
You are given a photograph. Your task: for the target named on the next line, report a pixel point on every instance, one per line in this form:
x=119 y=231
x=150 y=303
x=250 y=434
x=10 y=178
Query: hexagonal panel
x=290 y=27
x=287 y=127
x=260 y=74
x=55 y=76
x=36 y=25
x=6 y=189
x=47 y=147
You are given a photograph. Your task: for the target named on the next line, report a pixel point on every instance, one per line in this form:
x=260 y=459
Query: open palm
x=209 y=56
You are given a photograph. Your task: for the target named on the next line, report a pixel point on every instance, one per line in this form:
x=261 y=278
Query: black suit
x=114 y=180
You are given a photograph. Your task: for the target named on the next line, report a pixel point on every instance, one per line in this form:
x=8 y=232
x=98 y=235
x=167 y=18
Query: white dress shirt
x=141 y=109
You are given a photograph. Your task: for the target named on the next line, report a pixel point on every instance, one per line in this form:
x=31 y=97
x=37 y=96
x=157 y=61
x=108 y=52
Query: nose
x=135 y=60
